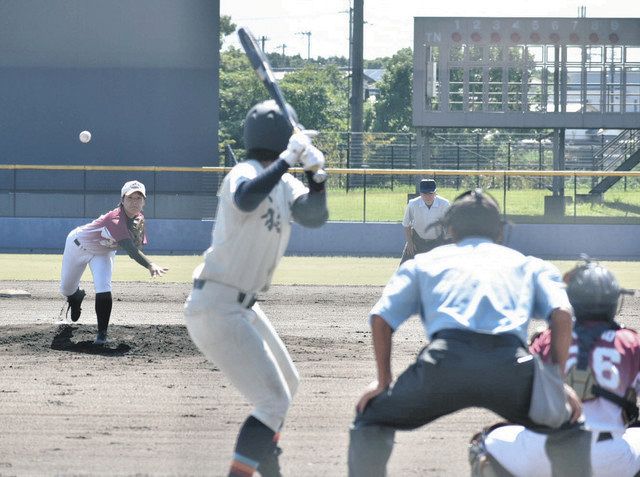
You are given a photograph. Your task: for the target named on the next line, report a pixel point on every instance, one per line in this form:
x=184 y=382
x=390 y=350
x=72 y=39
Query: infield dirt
x=150 y=404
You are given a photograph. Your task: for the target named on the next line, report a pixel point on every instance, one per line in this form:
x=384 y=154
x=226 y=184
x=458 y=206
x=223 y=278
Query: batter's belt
x=247 y=300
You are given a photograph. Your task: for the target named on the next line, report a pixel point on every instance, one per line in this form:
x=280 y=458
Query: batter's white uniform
x=94 y=244
x=615 y=362
x=222 y=318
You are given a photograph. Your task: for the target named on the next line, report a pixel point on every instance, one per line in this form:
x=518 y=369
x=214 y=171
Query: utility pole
x=308 y=34
x=283 y=46
x=263 y=40
x=349 y=65
x=357 y=78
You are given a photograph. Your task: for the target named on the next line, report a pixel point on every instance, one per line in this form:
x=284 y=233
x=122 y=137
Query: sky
x=389 y=24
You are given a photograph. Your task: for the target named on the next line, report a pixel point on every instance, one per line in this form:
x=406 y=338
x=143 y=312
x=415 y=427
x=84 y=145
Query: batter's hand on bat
x=157 y=271
x=298 y=143
x=312 y=159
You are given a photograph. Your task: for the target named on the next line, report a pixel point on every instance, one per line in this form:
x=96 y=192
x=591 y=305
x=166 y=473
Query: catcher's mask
x=593 y=291
x=266 y=129
x=474 y=213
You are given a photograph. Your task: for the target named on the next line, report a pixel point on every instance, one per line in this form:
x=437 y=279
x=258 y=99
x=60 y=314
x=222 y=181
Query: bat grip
x=319 y=175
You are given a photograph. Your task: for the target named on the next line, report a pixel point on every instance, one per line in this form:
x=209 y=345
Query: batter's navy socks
x=254 y=446
x=75 y=301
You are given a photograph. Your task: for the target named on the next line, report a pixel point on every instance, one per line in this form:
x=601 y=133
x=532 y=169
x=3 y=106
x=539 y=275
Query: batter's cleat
x=270 y=465
x=75 y=301
x=101 y=338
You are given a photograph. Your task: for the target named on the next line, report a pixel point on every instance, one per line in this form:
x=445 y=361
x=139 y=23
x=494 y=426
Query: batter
x=257 y=202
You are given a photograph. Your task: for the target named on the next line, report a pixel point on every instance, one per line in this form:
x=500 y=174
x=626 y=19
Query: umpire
x=475 y=299
x=421 y=221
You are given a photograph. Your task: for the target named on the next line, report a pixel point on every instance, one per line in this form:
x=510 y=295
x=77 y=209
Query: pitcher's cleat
x=75 y=301
x=101 y=338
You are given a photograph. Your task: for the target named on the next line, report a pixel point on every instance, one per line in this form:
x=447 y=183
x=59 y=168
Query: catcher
x=257 y=202
x=95 y=244
x=603 y=368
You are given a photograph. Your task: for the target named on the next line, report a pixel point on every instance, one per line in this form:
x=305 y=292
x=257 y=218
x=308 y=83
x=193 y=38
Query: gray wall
x=141 y=75
x=338 y=238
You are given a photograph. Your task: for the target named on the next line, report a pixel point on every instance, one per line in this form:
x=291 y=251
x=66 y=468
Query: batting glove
x=298 y=143
x=312 y=159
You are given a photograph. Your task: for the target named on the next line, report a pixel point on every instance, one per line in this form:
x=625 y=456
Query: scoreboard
x=526 y=72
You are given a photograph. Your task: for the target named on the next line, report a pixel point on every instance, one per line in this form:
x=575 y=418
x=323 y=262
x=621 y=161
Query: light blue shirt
x=474 y=285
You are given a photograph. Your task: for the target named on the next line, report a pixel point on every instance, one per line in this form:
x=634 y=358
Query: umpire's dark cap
x=427 y=186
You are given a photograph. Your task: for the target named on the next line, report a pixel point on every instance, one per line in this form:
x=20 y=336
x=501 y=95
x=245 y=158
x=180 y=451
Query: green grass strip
x=347 y=271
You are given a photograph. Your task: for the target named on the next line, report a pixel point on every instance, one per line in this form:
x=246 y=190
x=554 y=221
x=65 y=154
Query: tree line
x=318 y=90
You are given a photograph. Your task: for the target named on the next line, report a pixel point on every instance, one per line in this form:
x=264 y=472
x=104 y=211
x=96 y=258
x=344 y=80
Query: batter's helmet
x=265 y=128
x=593 y=291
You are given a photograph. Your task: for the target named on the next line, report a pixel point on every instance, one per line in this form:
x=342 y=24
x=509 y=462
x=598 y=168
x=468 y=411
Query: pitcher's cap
x=133 y=186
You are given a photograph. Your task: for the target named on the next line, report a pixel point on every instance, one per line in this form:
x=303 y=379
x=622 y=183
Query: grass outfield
x=385 y=205
x=292 y=270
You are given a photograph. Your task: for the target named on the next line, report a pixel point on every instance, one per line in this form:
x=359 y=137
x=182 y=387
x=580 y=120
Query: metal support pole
x=509 y=164
x=504 y=194
x=458 y=165
x=392 y=167
x=364 y=194
x=575 y=195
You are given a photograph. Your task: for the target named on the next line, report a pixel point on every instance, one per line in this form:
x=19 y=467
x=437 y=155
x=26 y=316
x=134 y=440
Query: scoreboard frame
x=526 y=72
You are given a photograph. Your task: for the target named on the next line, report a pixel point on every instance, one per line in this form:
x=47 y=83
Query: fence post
x=348 y=160
x=458 y=165
x=540 y=161
x=575 y=195
x=392 y=167
x=478 y=159
x=509 y=164
x=364 y=193
x=504 y=195
x=410 y=153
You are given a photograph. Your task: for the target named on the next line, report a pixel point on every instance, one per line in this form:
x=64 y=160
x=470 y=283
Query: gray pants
x=421 y=246
x=457 y=370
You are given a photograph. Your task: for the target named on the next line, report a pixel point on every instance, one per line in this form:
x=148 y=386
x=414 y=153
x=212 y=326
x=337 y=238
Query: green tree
x=227 y=27
x=393 y=106
x=319 y=96
x=239 y=90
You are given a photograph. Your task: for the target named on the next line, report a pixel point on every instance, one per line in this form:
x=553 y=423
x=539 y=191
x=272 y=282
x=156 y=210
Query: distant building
x=371 y=78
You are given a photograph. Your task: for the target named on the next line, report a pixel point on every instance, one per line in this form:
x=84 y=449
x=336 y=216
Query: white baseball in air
x=85 y=137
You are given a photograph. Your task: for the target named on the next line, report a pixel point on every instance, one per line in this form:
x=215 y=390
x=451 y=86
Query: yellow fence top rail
x=362 y=171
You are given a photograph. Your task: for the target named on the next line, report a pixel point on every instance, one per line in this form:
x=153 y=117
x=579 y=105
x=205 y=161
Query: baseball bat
x=262 y=67
x=230 y=156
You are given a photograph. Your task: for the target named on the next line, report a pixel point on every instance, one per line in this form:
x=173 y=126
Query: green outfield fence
x=354 y=194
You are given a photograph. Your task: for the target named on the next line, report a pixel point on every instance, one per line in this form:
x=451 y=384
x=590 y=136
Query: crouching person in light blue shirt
x=475 y=299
